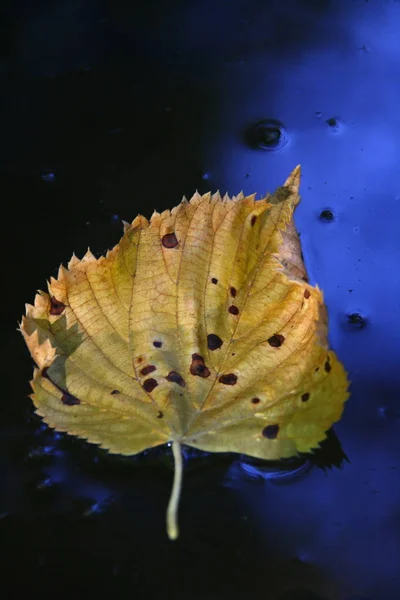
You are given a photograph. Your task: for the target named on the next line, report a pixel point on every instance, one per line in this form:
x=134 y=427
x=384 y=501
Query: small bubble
x=267 y=135
x=318 y=114
x=356 y=320
x=327 y=215
x=206 y=176
x=115 y=218
x=48 y=176
x=335 y=125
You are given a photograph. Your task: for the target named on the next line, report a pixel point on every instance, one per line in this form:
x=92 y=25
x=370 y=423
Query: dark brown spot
x=160 y=415
x=276 y=340
x=56 y=307
x=233 y=309
x=147 y=370
x=316 y=369
x=255 y=400
x=307 y=294
x=149 y=385
x=214 y=341
x=270 y=431
x=253 y=220
x=69 y=399
x=115 y=392
x=214 y=280
x=198 y=367
x=229 y=379
x=233 y=291
x=169 y=240
x=305 y=397
x=174 y=377
x=305 y=278
x=157 y=344
x=327 y=366
x=140 y=359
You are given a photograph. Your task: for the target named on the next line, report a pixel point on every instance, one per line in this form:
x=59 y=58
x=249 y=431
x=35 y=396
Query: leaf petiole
x=172 y=510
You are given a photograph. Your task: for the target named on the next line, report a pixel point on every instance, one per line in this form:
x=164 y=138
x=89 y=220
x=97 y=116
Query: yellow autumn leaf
x=198 y=328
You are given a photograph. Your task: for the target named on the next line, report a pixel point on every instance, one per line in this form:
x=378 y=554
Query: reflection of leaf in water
x=198 y=328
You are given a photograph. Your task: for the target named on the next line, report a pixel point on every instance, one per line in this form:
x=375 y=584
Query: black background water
x=110 y=110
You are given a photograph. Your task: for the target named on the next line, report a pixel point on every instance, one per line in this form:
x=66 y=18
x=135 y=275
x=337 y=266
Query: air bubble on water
x=269 y=135
x=48 y=176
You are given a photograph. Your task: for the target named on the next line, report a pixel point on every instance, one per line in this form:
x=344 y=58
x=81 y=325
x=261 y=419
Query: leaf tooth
x=42 y=353
x=216 y=197
x=58 y=287
x=126 y=227
x=89 y=256
x=41 y=304
x=293 y=181
x=196 y=198
x=29 y=310
x=157 y=218
x=140 y=222
x=74 y=260
x=62 y=273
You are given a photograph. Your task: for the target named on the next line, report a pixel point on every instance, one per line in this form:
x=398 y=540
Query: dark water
x=108 y=111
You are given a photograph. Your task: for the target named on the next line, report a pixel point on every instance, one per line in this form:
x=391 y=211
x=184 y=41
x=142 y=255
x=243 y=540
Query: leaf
x=198 y=328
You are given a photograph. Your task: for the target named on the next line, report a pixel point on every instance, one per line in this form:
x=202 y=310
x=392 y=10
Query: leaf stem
x=172 y=510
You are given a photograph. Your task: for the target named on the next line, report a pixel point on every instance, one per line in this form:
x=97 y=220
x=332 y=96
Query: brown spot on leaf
x=157 y=344
x=276 y=340
x=253 y=220
x=214 y=280
x=174 y=377
x=140 y=359
x=115 y=392
x=149 y=385
x=305 y=397
x=198 y=367
x=160 y=415
x=56 y=307
x=233 y=309
x=69 y=400
x=147 y=370
x=233 y=291
x=270 y=431
x=316 y=369
x=214 y=341
x=307 y=294
x=327 y=366
x=255 y=400
x=228 y=379
x=169 y=240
